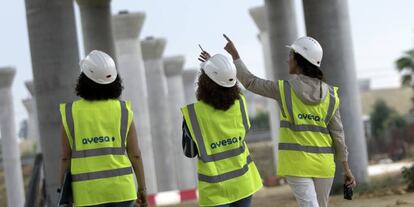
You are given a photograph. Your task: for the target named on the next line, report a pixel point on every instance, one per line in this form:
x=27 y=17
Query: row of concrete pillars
x=156 y=86
x=131 y=67
x=151 y=81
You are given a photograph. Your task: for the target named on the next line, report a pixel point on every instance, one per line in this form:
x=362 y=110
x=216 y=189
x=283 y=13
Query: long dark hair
x=215 y=95
x=91 y=91
x=308 y=68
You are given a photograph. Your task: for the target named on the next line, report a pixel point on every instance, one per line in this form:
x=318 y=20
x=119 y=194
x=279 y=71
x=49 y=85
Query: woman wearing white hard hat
x=311 y=132
x=214 y=130
x=99 y=141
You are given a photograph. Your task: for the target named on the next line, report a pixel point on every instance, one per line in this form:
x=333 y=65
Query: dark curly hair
x=308 y=68
x=219 y=97
x=91 y=91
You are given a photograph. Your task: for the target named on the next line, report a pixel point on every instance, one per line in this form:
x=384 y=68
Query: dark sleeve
x=189 y=146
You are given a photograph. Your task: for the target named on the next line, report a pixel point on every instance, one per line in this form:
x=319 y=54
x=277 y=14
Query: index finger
x=201 y=48
x=227 y=38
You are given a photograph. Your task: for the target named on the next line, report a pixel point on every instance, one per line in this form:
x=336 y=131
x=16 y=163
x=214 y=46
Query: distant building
x=397 y=98
x=364 y=84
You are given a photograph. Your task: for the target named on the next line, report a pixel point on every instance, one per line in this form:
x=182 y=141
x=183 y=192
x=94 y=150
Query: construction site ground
x=282 y=197
x=387 y=190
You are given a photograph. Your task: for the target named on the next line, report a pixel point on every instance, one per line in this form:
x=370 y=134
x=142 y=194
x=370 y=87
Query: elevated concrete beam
x=55 y=57
x=173 y=67
x=33 y=124
x=328 y=22
x=96 y=26
x=10 y=149
x=189 y=80
x=259 y=16
x=126 y=29
x=282 y=29
x=153 y=49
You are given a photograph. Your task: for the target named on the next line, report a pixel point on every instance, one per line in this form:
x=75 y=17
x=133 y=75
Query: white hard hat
x=219 y=69
x=309 y=48
x=99 y=67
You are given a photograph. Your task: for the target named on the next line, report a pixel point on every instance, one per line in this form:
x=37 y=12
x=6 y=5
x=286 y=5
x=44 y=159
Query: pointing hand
x=204 y=56
x=230 y=48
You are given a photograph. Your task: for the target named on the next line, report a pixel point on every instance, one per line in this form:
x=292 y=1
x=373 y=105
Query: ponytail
x=308 y=68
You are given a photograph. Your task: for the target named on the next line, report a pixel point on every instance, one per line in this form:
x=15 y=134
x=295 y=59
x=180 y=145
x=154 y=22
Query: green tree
x=408 y=175
x=383 y=117
x=406 y=64
x=260 y=121
x=396 y=121
x=379 y=116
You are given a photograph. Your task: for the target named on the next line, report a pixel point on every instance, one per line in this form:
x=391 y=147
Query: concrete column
x=55 y=58
x=33 y=125
x=96 y=26
x=328 y=22
x=126 y=29
x=259 y=16
x=166 y=171
x=189 y=81
x=28 y=104
x=250 y=102
x=30 y=87
x=282 y=31
x=10 y=149
x=173 y=67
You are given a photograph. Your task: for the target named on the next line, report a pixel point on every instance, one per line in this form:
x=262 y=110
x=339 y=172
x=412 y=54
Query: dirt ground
x=282 y=197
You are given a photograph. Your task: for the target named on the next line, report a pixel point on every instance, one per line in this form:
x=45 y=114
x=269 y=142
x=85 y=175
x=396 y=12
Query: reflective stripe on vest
x=303 y=127
x=300 y=128
x=199 y=137
x=228 y=175
x=331 y=107
x=102 y=174
x=205 y=157
x=99 y=151
x=310 y=149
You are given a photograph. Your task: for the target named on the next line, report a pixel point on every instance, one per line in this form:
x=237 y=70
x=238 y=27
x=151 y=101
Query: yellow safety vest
x=305 y=144
x=226 y=172
x=97 y=133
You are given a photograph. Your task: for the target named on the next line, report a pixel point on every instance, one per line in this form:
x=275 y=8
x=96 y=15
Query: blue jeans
x=245 y=202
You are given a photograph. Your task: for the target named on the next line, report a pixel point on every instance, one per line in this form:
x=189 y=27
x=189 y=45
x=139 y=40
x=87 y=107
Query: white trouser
x=311 y=192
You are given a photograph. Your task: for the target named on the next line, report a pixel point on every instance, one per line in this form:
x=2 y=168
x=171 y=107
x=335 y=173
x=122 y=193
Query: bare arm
x=65 y=154
x=134 y=155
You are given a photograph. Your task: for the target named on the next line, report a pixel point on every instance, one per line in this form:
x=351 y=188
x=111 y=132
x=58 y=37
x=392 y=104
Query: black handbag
x=65 y=194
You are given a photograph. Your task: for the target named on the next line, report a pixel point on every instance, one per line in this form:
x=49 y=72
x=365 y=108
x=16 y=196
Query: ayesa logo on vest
x=96 y=140
x=309 y=116
x=225 y=142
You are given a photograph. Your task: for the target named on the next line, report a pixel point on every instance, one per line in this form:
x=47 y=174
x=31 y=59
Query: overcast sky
x=381 y=31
